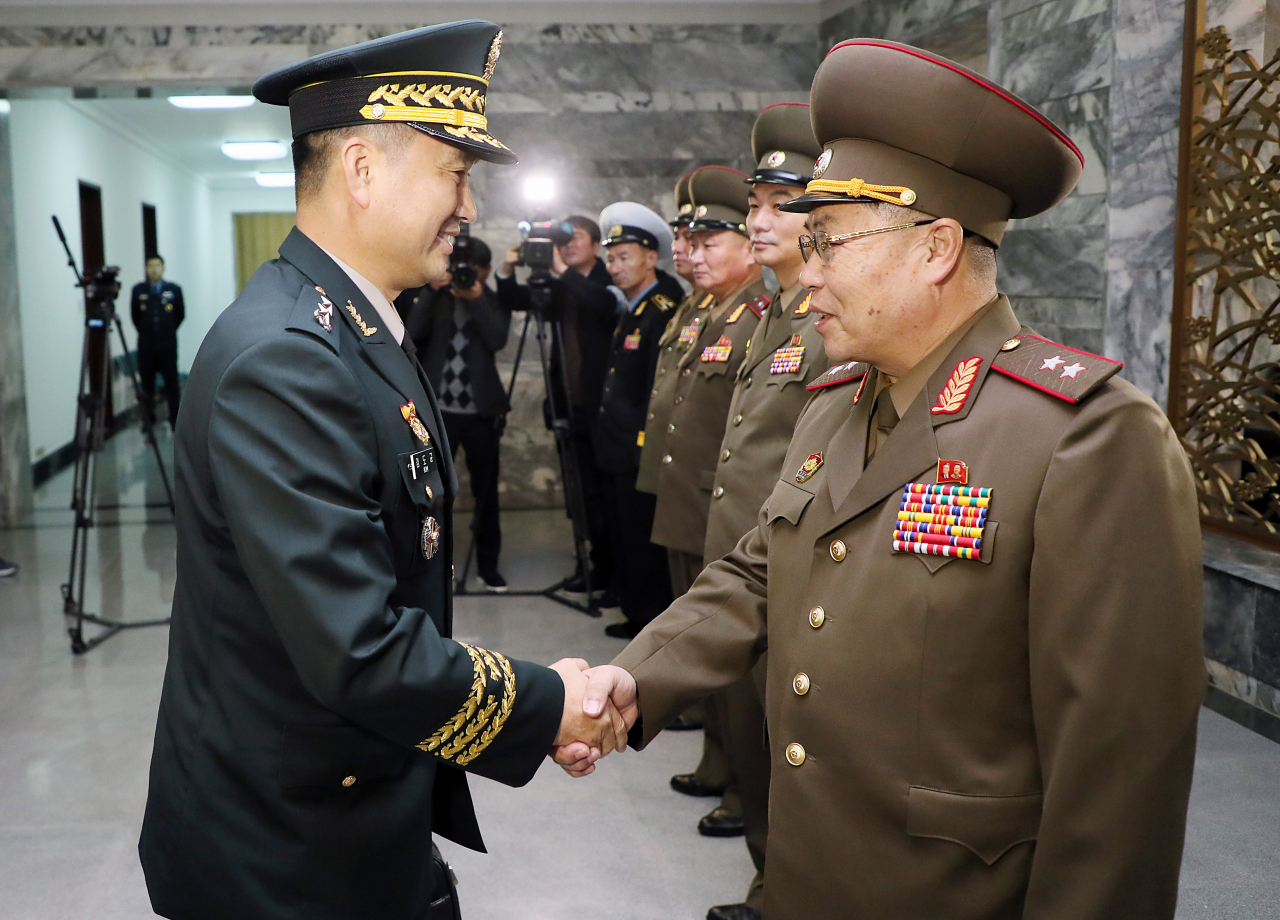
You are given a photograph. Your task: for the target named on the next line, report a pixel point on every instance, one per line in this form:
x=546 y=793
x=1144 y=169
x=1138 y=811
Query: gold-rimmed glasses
x=821 y=243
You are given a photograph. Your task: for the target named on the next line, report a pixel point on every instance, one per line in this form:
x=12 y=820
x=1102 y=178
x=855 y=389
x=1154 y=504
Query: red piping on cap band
x=990 y=86
x=774 y=105
x=725 y=168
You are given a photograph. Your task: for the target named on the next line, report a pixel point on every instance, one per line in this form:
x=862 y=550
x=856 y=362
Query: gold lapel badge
x=810 y=467
x=430 y=537
x=355 y=315
x=410 y=413
x=324 y=311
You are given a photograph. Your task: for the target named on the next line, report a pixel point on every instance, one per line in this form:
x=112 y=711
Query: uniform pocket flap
x=988 y=825
x=788 y=501
x=328 y=759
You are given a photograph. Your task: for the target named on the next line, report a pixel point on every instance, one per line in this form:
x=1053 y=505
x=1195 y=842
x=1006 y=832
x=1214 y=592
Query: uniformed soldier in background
x=978 y=575
x=718 y=332
x=158 y=310
x=635 y=240
x=785 y=354
x=316 y=719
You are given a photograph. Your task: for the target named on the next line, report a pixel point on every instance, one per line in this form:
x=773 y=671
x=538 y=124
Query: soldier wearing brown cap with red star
x=978 y=572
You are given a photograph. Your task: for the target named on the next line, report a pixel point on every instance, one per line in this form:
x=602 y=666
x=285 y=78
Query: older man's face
x=864 y=300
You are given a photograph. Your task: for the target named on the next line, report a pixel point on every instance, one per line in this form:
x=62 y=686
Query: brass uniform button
x=737 y=419
x=666 y=459
x=747 y=382
x=726 y=454
x=679 y=400
x=838 y=550
x=652 y=393
x=795 y=754
x=817 y=616
x=430 y=495
x=719 y=492
x=685 y=372
x=671 y=427
x=1011 y=345
x=349 y=782
x=801 y=684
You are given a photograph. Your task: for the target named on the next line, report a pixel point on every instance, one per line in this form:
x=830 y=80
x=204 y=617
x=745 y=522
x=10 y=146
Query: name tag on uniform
x=422 y=462
x=631 y=342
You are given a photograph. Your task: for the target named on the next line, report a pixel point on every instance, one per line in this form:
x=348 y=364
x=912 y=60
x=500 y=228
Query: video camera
x=461 y=267
x=538 y=240
x=101 y=288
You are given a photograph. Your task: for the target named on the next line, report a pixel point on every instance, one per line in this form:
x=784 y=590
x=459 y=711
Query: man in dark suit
x=457 y=332
x=316 y=719
x=158 y=310
x=586 y=311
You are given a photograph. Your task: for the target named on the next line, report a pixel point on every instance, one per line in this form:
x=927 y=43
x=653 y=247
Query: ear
x=942 y=250
x=650 y=258
x=357 y=159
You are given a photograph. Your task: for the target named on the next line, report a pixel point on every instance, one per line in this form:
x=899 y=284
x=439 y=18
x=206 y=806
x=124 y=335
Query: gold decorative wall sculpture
x=1225 y=380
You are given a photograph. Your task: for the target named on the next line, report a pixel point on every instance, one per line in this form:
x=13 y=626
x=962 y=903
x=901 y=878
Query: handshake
x=600 y=706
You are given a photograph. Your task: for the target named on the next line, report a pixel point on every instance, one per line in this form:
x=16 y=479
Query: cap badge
x=776 y=159
x=324 y=312
x=701 y=212
x=615 y=231
x=377 y=110
x=355 y=315
x=495 y=49
x=809 y=467
x=952 y=398
x=821 y=166
x=942 y=520
x=684 y=209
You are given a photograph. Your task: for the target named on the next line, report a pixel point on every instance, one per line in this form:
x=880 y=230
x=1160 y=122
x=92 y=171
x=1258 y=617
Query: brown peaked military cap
x=933 y=136
x=719 y=199
x=783 y=144
x=684 y=204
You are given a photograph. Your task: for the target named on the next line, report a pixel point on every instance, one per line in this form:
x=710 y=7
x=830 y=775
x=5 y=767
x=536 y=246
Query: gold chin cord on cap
x=857 y=188
x=457 y=119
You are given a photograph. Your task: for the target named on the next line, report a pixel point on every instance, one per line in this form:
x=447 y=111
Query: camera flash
x=539 y=188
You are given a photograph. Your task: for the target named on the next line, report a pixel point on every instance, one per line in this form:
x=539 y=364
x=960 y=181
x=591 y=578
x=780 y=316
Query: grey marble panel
x=1024 y=21
x=1266 y=638
x=1085 y=118
x=1244 y=20
x=735 y=67
x=1229 y=605
x=1058 y=262
x=963 y=38
x=1246 y=561
x=1070 y=312
x=571 y=135
x=1139 y=302
x=15 y=468
x=904 y=20
x=136 y=65
x=1065 y=61
x=1076 y=210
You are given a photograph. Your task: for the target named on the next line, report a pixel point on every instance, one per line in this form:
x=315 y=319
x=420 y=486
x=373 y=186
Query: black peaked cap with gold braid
x=433 y=79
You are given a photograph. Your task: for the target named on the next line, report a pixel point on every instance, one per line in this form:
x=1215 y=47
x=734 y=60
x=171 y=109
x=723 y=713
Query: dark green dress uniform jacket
x=633 y=356
x=316 y=718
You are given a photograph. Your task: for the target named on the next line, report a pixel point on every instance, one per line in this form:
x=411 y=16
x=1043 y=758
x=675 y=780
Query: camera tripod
x=101 y=289
x=561 y=419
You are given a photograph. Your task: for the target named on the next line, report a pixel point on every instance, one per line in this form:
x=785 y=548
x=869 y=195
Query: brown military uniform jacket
x=1010 y=736
x=662 y=397
x=704 y=389
x=767 y=399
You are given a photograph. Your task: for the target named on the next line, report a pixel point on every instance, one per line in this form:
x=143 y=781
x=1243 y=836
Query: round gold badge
x=776 y=159
x=795 y=754
x=1011 y=345
x=907 y=197
x=701 y=212
x=378 y=110
x=821 y=166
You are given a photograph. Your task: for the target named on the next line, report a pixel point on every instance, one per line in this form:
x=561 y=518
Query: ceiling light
x=275 y=180
x=212 y=102
x=539 y=188
x=255 y=150
x=4 y=107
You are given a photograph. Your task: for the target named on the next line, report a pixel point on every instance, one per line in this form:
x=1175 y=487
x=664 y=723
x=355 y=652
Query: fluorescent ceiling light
x=255 y=150
x=275 y=180
x=212 y=102
x=539 y=188
x=4 y=107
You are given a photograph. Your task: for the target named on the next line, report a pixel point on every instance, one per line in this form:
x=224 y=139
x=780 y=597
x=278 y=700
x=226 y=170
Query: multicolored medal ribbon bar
x=631 y=342
x=787 y=360
x=689 y=333
x=719 y=352
x=941 y=520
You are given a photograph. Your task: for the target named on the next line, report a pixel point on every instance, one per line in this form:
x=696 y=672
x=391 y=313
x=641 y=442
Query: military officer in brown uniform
x=978 y=575
x=785 y=354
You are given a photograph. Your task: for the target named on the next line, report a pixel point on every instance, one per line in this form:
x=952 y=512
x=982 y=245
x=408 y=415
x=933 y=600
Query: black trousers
x=478 y=437
x=593 y=493
x=163 y=360
x=640 y=574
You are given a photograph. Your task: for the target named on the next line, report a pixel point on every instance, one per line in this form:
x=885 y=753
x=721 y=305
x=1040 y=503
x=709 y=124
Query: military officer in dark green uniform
x=317 y=721
x=157 y=309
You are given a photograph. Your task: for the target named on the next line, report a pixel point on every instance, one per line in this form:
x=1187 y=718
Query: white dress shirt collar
x=386 y=312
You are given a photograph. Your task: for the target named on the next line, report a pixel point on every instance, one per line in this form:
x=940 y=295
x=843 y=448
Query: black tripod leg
x=148 y=427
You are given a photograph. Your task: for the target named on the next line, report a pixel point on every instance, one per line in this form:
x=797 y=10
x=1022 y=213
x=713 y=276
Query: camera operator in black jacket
x=457 y=331
x=587 y=312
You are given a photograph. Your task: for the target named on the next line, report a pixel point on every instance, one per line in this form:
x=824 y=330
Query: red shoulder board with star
x=1067 y=373
x=759 y=305
x=841 y=373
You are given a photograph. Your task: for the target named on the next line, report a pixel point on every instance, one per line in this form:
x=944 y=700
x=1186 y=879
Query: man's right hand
x=610 y=691
x=584 y=737
x=509 y=261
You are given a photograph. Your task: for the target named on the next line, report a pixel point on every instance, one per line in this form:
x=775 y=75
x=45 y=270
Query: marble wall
x=15 y=471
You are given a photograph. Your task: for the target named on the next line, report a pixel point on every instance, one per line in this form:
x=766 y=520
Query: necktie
x=883 y=421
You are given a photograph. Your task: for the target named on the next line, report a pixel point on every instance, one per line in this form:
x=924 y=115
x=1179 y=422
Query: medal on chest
x=631 y=342
x=689 y=333
x=719 y=352
x=943 y=519
x=430 y=537
x=410 y=413
x=787 y=360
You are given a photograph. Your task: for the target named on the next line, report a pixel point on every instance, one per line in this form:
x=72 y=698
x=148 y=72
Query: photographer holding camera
x=458 y=326
x=585 y=308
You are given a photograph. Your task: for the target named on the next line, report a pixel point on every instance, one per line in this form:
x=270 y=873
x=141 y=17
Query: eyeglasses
x=820 y=243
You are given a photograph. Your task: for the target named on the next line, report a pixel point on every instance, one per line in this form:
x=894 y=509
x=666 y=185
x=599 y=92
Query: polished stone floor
x=75 y=739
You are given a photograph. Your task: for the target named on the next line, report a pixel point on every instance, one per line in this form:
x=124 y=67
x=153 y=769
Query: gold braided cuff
x=857 y=188
x=474 y=727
